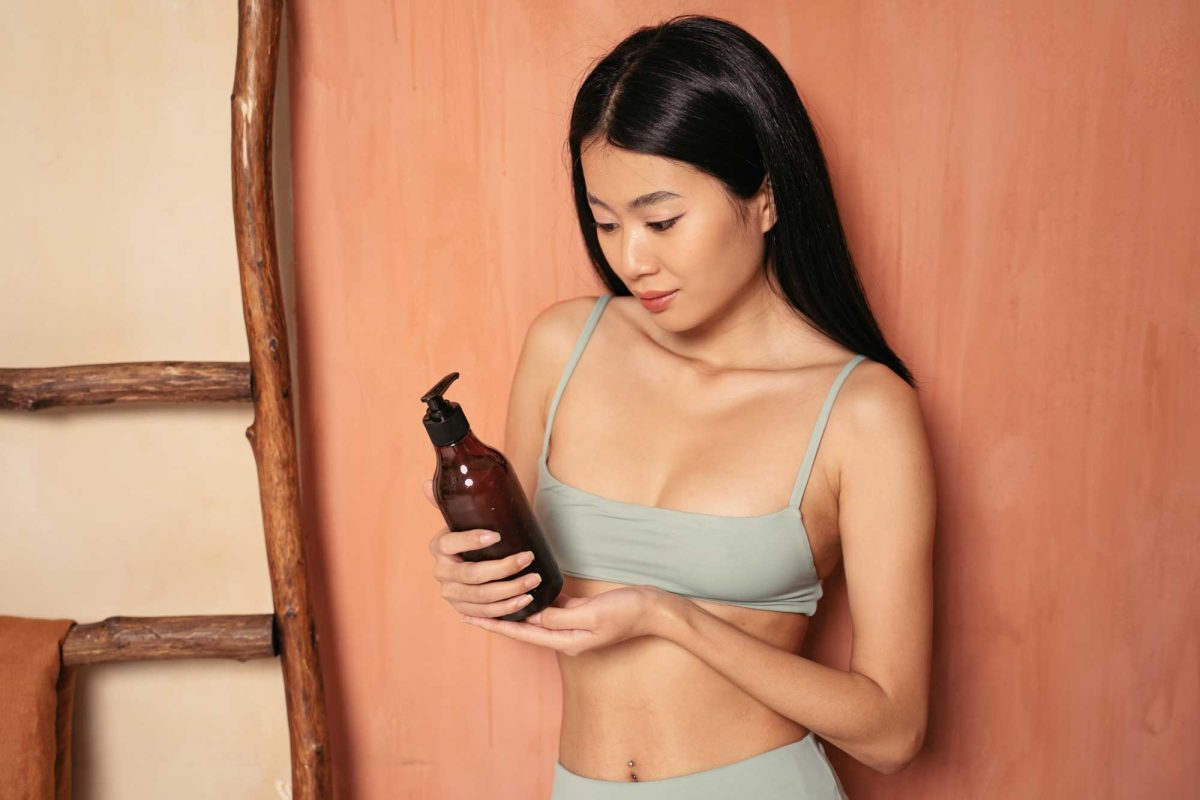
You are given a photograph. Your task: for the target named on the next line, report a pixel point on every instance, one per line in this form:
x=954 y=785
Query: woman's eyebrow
x=638 y=202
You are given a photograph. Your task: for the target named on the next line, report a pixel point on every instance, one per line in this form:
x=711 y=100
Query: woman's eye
x=660 y=227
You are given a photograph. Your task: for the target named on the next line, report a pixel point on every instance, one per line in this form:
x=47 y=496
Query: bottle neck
x=465 y=447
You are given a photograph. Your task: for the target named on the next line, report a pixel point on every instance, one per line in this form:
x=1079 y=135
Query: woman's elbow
x=904 y=748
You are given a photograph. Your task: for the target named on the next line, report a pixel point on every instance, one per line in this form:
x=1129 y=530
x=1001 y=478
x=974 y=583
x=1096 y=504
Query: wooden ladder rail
x=266 y=381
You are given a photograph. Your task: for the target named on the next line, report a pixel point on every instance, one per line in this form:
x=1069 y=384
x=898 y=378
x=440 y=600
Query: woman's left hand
x=573 y=625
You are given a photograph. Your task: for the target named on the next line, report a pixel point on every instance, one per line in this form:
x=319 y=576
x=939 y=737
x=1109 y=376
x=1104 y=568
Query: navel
x=632 y=775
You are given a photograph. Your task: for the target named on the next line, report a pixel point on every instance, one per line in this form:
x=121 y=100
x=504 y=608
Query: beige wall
x=118 y=236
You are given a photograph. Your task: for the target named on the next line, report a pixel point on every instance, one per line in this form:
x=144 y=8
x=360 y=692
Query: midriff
x=652 y=701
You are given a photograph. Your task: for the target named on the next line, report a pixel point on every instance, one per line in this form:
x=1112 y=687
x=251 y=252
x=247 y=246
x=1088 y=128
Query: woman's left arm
x=876 y=711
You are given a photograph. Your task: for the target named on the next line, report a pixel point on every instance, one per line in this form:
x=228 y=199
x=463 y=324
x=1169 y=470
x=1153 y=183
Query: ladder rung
x=36 y=388
x=241 y=637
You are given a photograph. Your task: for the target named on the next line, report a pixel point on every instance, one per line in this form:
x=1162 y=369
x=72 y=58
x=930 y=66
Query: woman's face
x=665 y=226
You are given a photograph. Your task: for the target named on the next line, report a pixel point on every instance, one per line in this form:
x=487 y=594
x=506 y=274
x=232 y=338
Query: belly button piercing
x=632 y=775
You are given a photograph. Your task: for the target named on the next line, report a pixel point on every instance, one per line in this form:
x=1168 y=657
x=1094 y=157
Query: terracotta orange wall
x=1019 y=181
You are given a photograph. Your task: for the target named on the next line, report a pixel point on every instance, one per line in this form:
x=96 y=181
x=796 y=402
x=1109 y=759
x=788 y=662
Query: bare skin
x=648 y=700
x=706 y=407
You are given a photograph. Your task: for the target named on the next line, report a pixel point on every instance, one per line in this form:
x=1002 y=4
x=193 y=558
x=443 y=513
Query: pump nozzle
x=444 y=420
x=437 y=404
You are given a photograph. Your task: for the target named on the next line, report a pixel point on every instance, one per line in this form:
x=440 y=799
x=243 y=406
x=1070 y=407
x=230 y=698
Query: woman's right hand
x=475 y=587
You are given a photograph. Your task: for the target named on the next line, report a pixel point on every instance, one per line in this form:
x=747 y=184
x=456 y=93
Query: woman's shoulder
x=559 y=324
x=877 y=409
x=553 y=332
x=873 y=392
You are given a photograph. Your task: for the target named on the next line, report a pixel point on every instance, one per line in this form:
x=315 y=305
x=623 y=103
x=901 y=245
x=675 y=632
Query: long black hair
x=701 y=90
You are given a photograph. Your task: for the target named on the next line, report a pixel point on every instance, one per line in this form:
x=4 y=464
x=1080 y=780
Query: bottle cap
x=444 y=421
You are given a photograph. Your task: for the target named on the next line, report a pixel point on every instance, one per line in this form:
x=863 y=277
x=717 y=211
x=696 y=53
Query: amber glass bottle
x=475 y=488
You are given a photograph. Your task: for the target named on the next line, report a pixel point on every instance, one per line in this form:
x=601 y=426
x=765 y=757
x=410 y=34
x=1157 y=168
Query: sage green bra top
x=762 y=561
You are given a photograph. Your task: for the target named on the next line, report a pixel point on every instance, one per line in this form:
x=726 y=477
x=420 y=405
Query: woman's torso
x=648 y=699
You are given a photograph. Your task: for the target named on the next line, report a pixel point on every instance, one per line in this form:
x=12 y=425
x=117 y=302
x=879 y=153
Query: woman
x=680 y=424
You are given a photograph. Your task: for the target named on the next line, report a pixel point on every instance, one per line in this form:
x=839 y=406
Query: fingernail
x=488 y=538
x=525 y=558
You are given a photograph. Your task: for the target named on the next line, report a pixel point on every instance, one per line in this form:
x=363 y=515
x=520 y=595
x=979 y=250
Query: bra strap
x=581 y=343
x=810 y=455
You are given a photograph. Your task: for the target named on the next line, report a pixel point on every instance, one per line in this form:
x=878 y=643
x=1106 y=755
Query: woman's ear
x=766 y=205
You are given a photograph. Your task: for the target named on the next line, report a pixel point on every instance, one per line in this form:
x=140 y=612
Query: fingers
x=498 y=609
x=477 y=588
x=467 y=584
x=450 y=543
x=475 y=574
x=569 y=642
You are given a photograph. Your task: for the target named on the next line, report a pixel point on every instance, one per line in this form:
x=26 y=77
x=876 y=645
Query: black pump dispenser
x=445 y=421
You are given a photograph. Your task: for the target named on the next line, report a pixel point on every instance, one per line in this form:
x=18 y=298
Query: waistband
x=795 y=771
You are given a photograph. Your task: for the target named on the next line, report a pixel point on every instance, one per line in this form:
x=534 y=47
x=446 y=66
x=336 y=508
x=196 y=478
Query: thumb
x=569 y=601
x=427 y=490
x=565 y=617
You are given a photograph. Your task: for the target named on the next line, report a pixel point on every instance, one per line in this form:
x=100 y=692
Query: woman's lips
x=658 y=303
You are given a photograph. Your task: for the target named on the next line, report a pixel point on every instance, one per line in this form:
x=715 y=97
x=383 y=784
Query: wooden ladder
x=266 y=381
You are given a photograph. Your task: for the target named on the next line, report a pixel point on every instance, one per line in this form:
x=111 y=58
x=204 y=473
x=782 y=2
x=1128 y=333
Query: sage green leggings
x=796 y=771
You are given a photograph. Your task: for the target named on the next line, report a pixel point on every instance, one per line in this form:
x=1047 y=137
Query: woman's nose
x=638 y=256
